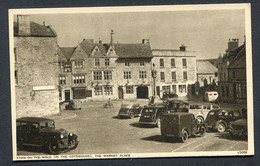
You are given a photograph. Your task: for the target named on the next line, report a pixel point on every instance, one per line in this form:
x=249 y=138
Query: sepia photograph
x=131 y=82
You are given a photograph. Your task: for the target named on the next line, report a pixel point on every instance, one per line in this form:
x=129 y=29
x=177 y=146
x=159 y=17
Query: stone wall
x=36 y=67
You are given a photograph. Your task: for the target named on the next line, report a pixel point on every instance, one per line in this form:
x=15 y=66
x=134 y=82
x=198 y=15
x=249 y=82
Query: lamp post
x=154 y=74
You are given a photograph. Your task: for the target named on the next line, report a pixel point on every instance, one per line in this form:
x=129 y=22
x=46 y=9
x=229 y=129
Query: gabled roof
x=87 y=46
x=67 y=51
x=37 y=30
x=133 y=50
x=204 y=66
x=240 y=59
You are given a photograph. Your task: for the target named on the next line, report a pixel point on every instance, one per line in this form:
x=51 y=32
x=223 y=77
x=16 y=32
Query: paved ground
x=101 y=131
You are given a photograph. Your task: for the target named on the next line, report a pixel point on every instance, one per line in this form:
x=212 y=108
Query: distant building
x=232 y=73
x=176 y=70
x=207 y=73
x=36 y=69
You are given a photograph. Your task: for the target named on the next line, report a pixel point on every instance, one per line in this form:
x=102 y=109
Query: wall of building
x=179 y=69
x=37 y=91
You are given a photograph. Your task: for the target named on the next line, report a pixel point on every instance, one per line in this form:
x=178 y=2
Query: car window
x=215 y=106
x=204 y=107
x=215 y=94
x=148 y=110
x=208 y=107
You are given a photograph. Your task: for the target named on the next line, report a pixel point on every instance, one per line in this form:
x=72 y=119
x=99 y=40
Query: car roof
x=179 y=113
x=33 y=119
x=178 y=101
x=154 y=106
x=226 y=109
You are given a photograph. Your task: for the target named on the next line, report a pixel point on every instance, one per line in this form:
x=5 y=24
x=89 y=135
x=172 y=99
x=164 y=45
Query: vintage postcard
x=131 y=82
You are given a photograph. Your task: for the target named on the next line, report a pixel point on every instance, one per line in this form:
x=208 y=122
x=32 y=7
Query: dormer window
x=96 y=50
x=97 y=62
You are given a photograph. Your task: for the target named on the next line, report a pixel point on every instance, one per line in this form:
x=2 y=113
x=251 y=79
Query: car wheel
x=184 y=136
x=54 y=148
x=200 y=119
x=158 y=123
x=132 y=115
x=74 y=143
x=202 y=131
x=221 y=127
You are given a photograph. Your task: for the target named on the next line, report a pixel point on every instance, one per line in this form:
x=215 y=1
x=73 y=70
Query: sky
x=204 y=31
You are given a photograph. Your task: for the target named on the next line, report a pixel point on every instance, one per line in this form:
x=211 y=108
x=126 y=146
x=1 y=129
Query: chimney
x=232 y=44
x=99 y=41
x=23 y=23
x=183 y=47
x=43 y=23
x=145 y=41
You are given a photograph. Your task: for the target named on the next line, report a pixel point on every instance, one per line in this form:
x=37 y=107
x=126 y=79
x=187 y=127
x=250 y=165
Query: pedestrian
x=109 y=102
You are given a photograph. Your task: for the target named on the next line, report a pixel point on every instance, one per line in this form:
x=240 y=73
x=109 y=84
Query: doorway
x=120 y=92
x=67 y=95
x=142 y=92
x=158 y=90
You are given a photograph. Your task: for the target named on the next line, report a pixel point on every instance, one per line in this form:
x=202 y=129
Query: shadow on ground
x=227 y=136
x=160 y=138
x=136 y=124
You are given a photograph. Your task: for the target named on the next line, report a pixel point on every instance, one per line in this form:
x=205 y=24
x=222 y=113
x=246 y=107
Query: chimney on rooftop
x=183 y=47
x=145 y=41
x=23 y=24
x=232 y=44
x=99 y=41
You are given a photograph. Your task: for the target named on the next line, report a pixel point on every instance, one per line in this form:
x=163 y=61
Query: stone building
x=207 y=73
x=36 y=68
x=99 y=71
x=176 y=70
x=232 y=73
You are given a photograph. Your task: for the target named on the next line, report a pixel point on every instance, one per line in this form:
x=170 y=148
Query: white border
x=245 y=6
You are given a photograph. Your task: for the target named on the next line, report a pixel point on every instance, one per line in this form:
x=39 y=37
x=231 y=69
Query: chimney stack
x=183 y=47
x=145 y=41
x=99 y=41
x=232 y=44
x=23 y=23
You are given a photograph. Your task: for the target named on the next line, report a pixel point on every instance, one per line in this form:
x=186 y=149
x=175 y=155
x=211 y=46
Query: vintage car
x=74 y=105
x=151 y=115
x=130 y=110
x=181 y=125
x=238 y=128
x=174 y=105
x=220 y=118
x=41 y=132
x=201 y=111
x=169 y=95
x=211 y=96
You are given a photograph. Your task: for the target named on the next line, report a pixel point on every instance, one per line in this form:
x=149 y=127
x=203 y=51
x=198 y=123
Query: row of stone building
x=46 y=74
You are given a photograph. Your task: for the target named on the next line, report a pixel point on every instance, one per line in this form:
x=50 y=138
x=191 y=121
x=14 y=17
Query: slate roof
x=67 y=51
x=133 y=50
x=204 y=67
x=87 y=46
x=37 y=30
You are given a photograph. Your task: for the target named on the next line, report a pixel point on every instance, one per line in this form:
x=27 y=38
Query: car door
x=193 y=124
x=35 y=137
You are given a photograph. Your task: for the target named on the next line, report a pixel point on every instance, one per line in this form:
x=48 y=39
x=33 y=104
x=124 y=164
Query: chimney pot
x=145 y=41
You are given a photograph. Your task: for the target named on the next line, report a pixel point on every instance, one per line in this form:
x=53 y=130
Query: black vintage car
x=41 y=132
x=238 y=128
x=151 y=115
x=181 y=125
x=130 y=110
x=220 y=118
x=174 y=105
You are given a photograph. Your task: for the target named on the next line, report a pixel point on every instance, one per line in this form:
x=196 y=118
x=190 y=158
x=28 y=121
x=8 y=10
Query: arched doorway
x=142 y=92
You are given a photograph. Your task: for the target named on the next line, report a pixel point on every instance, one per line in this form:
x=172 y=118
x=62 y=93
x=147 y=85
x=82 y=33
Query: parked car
x=238 y=128
x=211 y=96
x=181 y=125
x=220 y=118
x=74 y=105
x=41 y=132
x=130 y=110
x=201 y=111
x=151 y=115
x=174 y=105
x=167 y=96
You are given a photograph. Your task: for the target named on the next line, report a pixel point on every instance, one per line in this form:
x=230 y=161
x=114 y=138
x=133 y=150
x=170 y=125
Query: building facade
x=36 y=68
x=176 y=70
x=232 y=74
x=207 y=73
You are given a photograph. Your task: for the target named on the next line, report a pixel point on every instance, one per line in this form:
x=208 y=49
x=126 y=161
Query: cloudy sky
x=206 y=32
